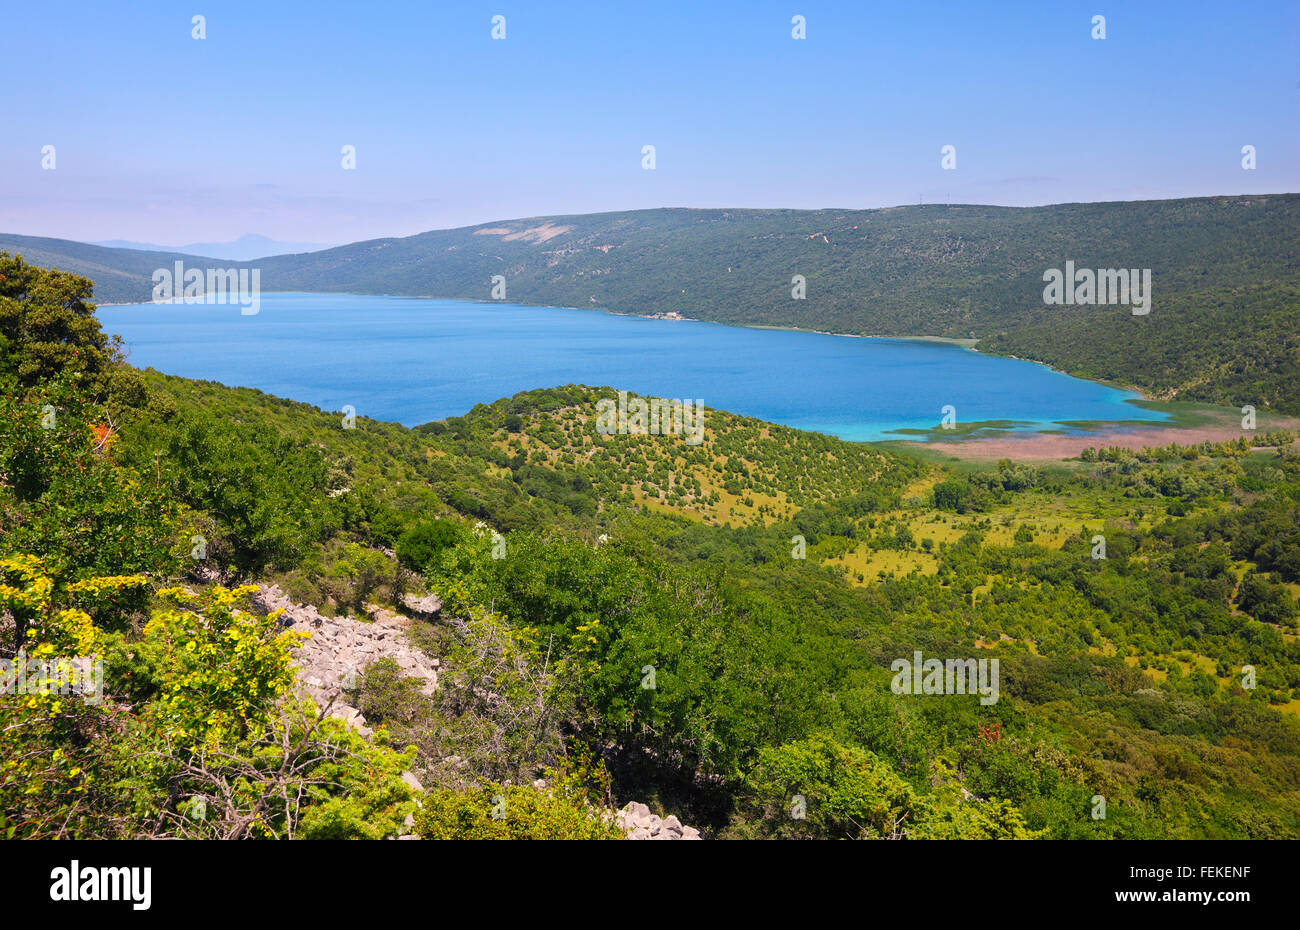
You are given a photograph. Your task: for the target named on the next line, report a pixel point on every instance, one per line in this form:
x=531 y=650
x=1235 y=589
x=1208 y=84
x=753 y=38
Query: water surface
x=417 y=359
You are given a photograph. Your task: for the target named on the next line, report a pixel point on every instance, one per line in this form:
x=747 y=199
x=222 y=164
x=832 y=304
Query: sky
x=162 y=137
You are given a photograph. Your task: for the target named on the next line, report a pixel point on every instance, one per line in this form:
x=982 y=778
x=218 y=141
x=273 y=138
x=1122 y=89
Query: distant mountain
x=1224 y=321
x=243 y=249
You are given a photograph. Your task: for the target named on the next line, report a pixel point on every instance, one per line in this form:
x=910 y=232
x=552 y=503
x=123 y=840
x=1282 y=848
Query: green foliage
x=820 y=789
x=216 y=748
x=1265 y=601
x=64 y=496
x=559 y=811
x=356 y=789
x=54 y=737
x=357 y=575
x=48 y=328
x=302 y=775
x=420 y=546
x=643 y=606
x=954 y=496
x=719 y=682
x=218 y=670
x=269 y=494
x=388 y=697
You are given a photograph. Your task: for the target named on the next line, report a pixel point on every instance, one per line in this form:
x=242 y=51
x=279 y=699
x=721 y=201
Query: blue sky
x=164 y=138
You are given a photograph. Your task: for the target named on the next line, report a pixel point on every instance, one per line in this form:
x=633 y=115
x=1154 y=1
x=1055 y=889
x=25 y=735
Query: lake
x=418 y=359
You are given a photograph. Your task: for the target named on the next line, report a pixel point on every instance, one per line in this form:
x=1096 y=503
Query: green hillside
x=1224 y=325
x=120 y=275
x=709 y=628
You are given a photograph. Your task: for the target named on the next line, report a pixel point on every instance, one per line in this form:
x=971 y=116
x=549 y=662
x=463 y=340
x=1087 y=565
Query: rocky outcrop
x=339 y=649
x=641 y=824
x=426 y=608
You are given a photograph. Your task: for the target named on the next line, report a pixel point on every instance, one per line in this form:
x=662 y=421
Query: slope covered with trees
x=709 y=628
x=1224 y=324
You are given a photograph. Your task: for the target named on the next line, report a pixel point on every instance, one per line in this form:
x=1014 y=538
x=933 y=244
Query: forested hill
x=120 y=275
x=1140 y=607
x=1225 y=314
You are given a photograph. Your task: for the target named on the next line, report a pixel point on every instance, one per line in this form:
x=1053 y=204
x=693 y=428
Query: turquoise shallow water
x=415 y=359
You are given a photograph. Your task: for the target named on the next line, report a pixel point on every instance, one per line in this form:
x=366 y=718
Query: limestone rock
x=642 y=824
x=425 y=607
x=333 y=657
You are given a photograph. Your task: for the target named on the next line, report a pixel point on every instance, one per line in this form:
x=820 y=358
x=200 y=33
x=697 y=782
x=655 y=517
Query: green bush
x=420 y=546
x=819 y=788
x=514 y=812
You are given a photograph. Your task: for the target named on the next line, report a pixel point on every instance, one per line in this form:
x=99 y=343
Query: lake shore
x=1054 y=447
x=331 y=349
x=1190 y=424
x=965 y=343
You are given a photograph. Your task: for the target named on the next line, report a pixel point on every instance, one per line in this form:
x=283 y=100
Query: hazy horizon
x=319 y=247
x=162 y=137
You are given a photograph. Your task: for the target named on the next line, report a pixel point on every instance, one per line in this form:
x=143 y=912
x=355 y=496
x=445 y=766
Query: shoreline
x=1049 y=447
x=969 y=343
x=1039 y=445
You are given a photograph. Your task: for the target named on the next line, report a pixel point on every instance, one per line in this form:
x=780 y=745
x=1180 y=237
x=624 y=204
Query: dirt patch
x=1048 y=447
x=543 y=233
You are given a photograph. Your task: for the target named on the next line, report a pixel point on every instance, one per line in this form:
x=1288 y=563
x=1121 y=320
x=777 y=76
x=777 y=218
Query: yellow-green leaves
x=221 y=668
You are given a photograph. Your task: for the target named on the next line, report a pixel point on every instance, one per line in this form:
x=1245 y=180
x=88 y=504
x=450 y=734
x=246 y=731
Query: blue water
x=415 y=359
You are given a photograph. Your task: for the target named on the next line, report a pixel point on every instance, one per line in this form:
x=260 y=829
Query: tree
x=818 y=788
x=1265 y=601
x=64 y=495
x=951 y=495
x=420 y=546
x=48 y=329
x=358 y=574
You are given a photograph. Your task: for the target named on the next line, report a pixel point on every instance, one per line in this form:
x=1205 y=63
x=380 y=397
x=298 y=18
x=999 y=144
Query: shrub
x=420 y=546
x=514 y=812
